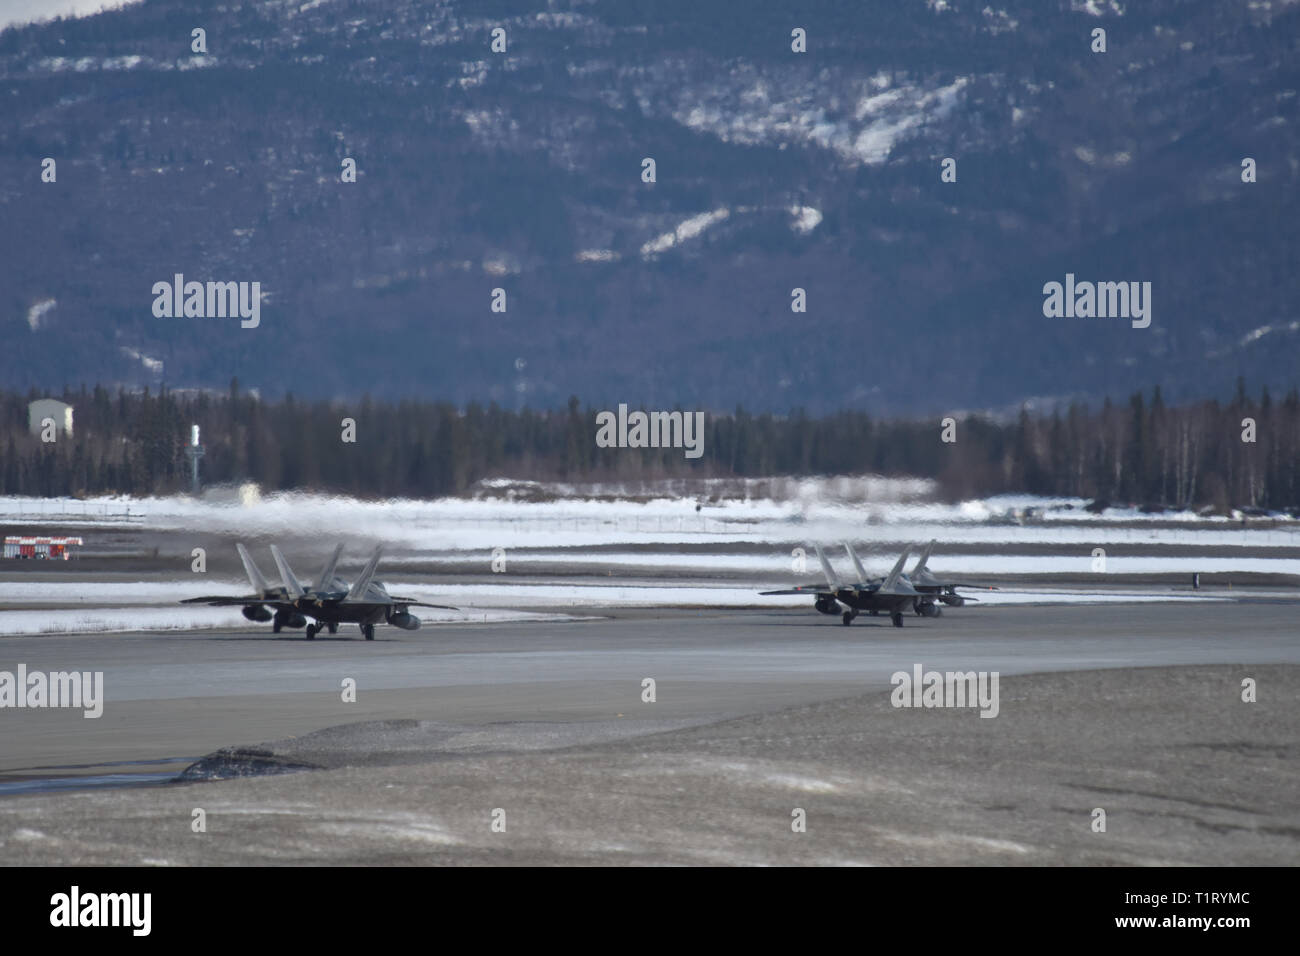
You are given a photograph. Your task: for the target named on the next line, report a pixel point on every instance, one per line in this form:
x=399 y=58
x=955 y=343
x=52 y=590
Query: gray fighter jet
x=891 y=594
x=366 y=603
x=330 y=602
x=931 y=590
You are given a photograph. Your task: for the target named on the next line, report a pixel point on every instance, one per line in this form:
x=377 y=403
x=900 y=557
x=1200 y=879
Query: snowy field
x=968 y=566
x=463 y=524
x=101 y=620
x=660 y=551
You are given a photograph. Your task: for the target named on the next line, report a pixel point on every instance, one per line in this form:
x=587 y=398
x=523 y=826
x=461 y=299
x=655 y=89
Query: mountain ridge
x=776 y=171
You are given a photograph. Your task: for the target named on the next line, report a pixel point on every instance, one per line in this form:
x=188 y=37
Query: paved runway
x=1135 y=710
x=171 y=698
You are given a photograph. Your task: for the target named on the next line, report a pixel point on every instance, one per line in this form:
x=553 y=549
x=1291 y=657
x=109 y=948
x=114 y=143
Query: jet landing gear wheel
x=369 y=631
x=311 y=632
x=334 y=628
x=897 y=618
x=847 y=618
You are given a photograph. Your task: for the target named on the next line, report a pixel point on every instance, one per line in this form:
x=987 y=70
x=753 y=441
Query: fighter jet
x=891 y=594
x=330 y=602
x=366 y=603
x=933 y=589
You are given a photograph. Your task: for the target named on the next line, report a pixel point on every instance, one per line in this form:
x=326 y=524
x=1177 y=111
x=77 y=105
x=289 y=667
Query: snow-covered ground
x=109 y=593
x=101 y=620
x=657 y=551
x=463 y=524
x=618 y=595
x=779 y=564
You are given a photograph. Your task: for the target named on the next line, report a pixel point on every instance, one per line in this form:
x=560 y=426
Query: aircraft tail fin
x=891 y=582
x=827 y=569
x=250 y=568
x=362 y=582
x=925 y=556
x=291 y=583
x=853 y=556
x=327 y=572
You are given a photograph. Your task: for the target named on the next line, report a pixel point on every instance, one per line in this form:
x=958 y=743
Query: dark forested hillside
x=1141 y=452
x=776 y=170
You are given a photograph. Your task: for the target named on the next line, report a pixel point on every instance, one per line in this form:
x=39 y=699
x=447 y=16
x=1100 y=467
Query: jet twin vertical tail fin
x=250 y=568
x=925 y=556
x=286 y=574
x=327 y=572
x=827 y=569
x=891 y=582
x=359 y=586
x=853 y=556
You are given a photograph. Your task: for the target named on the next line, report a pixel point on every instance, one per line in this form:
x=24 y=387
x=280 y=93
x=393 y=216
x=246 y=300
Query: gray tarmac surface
x=1132 y=708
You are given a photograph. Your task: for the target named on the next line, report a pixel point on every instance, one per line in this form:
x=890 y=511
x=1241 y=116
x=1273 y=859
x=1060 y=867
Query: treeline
x=1141 y=452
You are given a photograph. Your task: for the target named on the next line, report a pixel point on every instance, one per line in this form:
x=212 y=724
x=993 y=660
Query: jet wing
x=220 y=600
x=242 y=601
x=409 y=602
x=812 y=589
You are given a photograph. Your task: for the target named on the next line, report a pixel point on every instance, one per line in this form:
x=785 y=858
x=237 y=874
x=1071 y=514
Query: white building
x=59 y=412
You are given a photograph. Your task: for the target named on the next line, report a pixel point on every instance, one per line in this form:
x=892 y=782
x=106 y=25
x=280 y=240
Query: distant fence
x=639 y=524
x=41 y=509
